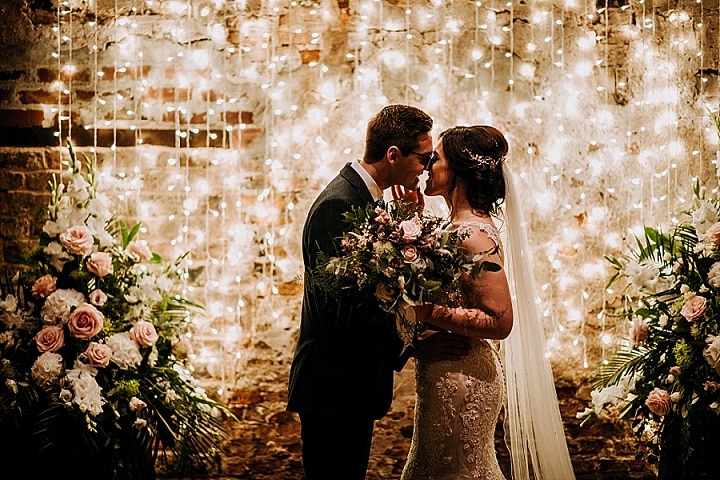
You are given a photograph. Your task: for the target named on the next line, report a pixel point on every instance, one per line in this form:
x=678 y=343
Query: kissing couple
x=473 y=359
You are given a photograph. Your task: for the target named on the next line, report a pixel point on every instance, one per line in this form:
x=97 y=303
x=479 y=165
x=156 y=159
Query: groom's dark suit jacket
x=347 y=347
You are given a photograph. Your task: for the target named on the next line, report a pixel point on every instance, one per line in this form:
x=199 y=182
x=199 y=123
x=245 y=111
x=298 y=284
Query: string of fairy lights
x=590 y=96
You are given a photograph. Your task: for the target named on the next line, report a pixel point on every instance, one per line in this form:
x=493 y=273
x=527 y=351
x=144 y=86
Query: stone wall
x=215 y=123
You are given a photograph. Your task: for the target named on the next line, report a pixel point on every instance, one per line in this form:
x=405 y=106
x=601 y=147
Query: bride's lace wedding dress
x=456 y=410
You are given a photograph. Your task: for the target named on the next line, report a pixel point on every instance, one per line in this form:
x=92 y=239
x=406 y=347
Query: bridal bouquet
x=401 y=255
x=93 y=350
x=666 y=379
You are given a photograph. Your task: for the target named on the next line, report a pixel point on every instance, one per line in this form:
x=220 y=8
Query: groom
x=341 y=378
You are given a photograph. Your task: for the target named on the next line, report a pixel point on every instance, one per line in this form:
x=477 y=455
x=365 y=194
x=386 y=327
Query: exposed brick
x=22 y=159
x=233 y=118
x=124 y=73
x=246 y=117
x=25 y=203
x=198 y=118
x=309 y=56
x=49 y=75
x=42 y=96
x=11 y=181
x=244 y=137
x=167 y=94
x=210 y=95
x=37 y=181
x=24 y=117
x=84 y=95
x=5 y=94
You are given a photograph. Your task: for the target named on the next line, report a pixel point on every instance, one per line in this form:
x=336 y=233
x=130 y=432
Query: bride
x=458 y=402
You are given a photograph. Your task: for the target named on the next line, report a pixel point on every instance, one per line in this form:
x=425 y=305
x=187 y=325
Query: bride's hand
x=423 y=312
x=414 y=196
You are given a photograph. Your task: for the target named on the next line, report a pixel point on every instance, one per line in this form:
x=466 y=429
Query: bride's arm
x=491 y=314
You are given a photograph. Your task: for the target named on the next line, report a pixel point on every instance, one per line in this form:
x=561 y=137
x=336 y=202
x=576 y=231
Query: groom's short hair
x=398 y=125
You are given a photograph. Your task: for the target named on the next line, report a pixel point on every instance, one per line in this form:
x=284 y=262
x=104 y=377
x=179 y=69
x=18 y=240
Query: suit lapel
x=349 y=174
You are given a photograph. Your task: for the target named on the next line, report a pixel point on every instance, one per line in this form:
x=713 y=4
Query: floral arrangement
x=94 y=348
x=666 y=377
x=402 y=256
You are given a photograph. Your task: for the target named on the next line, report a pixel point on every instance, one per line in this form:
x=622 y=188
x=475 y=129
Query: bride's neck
x=461 y=209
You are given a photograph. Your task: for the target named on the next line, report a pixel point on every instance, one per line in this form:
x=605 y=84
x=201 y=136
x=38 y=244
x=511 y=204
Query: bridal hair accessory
x=482 y=161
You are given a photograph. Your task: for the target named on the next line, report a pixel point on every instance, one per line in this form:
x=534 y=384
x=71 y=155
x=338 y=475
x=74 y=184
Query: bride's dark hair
x=475 y=156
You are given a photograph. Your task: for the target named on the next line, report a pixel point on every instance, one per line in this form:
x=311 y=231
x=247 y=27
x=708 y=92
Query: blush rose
x=694 y=308
x=100 y=264
x=144 y=333
x=139 y=251
x=410 y=230
x=409 y=253
x=50 y=339
x=97 y=297
x=44 y=286
x=85 y=322
x=98 y=354
x=658 y=401
x=77 y=240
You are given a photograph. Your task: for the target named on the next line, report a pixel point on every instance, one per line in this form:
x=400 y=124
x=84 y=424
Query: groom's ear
x=393 y=154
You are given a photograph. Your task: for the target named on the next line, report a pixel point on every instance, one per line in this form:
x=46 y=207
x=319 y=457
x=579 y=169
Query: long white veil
x=533 y=426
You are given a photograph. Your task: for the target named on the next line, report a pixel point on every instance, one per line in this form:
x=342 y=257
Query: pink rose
x=639 y=331
x=44 y=286
x=100 y=264
x=97 y=297
x=77 y=240
x=85 y=322
x=139 y=251
x=410 y=230
x=694 y=308
x=50 y=339
x=140 y=423
x=658 y=402
x=409 y=253
x=98 y=354
x=144 y=333
x=713 y=234
x=674 y=370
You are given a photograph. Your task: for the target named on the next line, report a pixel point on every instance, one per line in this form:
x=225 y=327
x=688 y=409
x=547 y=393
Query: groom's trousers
x=335 y=447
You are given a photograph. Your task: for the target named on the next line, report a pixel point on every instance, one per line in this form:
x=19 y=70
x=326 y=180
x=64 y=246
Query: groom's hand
x=414 y=196
x=433 y=346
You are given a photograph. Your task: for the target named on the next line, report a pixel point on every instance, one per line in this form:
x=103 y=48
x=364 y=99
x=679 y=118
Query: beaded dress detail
x=456 y=410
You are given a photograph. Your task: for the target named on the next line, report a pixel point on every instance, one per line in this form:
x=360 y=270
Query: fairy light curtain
x=604 y=106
